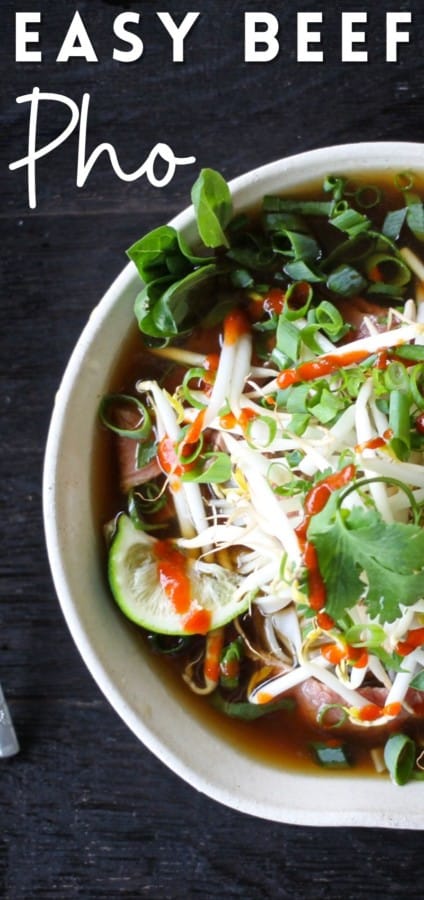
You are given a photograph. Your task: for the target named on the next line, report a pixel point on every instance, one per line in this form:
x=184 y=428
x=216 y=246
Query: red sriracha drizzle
x=315 y=501
x=273 y=302
x=172 y=572
x=414 y=639
x=167 y=457
x=235 y=325
x=318 y=368
x=176 y=584
x=195 y=429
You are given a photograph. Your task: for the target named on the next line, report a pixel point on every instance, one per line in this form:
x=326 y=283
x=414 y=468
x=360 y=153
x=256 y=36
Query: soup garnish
x=270 y=534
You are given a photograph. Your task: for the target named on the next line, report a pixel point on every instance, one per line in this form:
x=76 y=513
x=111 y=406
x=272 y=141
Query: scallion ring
x=365 y=636
x=404 y=181
x=187 y=456
x=118 y=401
x=297 y=300
x=152 y=499
x=396 y=377
x=389 y=269
x=325 y=709
x=187 y=393
x=400 y=423
x=399 y=756
x=269 y=423
x=368 y=195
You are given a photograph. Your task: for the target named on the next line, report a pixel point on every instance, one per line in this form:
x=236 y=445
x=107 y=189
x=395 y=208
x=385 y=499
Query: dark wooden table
x=86 y=811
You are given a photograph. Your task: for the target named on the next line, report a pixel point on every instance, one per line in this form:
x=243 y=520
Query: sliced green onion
x=215 y=468
x=393 y=291
x=389 y=269
x=271 y=426
x=399 y=757
x=417 y=682
x=335 y=184
x=278 y=221
x=330 y=320
x=137 y=506
x=415 y=215
x=297 y=300
x=340 y=207
x=353 y=250
x=346 y=281
x=189 y=375
x=365 y=636
x=296 y=400
x=399 y=422
x=404 y=181
x=327 y=406
x=393 y=223
x=141 y=431
x=303 y=207
x=294 y=458
x=291 y=488
x=249 y=711
x=301 y=271
x=325 y=709
x=151 y=499
x=296 y=245
x=350 y=221
x=299 y=423
x=368 y=195
x=288 y=338
x=189 y=457
x=332 y=757
x=410 y=351
x=396 y=377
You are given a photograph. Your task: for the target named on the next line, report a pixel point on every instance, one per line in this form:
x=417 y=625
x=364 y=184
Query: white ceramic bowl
x=112 y=654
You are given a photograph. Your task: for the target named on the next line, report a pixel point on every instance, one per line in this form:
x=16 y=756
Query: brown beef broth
x=280 y=738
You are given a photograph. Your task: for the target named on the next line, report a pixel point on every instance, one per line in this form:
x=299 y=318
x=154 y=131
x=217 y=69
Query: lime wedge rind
x=136 y=588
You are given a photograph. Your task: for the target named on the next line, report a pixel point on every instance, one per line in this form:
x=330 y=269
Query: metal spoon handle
x=8 y=740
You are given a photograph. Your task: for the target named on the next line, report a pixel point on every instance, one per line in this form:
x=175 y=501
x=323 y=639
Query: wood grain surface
x=86 y=810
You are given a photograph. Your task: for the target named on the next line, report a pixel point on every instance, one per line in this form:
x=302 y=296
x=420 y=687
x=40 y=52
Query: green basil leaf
x=212 y=202
x=158 y=254
x=252 y=251
x=144 y=304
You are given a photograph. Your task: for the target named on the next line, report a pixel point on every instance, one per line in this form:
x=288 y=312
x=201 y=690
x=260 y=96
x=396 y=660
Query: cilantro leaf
x=360 y=555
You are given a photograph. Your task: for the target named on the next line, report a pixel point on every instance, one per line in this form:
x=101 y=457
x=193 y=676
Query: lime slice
x=134 y=578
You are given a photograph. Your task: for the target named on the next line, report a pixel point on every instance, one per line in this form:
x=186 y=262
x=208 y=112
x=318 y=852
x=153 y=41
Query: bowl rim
x=128 y=279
